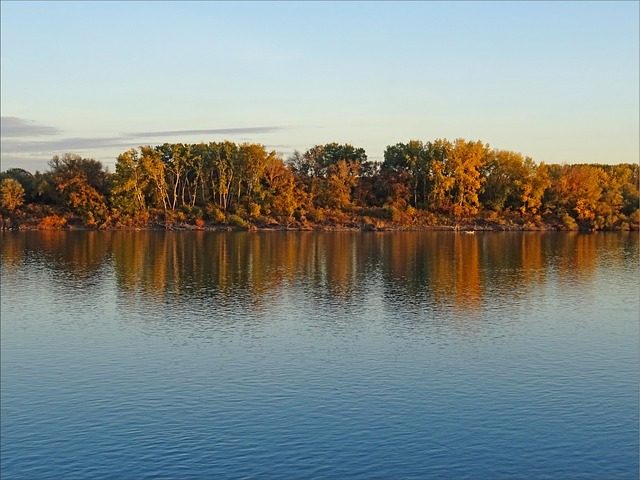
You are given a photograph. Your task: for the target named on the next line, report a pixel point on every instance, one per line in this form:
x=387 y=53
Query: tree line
x=417 y=184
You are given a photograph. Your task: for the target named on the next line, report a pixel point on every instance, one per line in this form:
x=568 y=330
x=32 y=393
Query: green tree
x=415 y=159
x=628 y=177
x=221 y=165
x=333 y=174
x=130 y=183
x=440 y=177
x=253 y=159
x=504 y=173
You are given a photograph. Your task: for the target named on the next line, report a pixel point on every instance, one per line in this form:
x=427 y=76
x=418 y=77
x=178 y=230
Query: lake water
x=319 y=355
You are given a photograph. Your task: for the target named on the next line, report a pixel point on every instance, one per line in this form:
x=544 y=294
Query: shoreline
x=469 y=227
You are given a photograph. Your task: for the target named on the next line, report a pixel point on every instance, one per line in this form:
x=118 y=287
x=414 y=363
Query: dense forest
x=225 y=185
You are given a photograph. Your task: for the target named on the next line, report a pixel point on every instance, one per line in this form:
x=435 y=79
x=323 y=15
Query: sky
x=556 y=81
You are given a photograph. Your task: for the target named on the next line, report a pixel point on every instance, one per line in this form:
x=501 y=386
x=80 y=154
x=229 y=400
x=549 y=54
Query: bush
x=402 y=216
x=237 y=221
x=568 y=222
x=317 y=215
x=213 y=213
x=254 y=210
x=52 y=222
x=376 y=212
x=634 y=219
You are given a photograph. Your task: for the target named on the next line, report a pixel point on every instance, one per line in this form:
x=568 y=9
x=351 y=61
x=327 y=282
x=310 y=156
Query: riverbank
x=51 y=219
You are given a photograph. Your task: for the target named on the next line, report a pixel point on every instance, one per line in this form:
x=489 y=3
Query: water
x=307 y=355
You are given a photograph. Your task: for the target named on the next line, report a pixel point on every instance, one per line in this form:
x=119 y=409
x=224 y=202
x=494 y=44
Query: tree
x=153 y=168
x=130 y=183
x=628 y=176
x=413 y=158
x=281 y=198
x=26 y=179
x=342 y=178
x=440 y=178
x=81 y=184
x=221 y=163
x=463 y=165
x=303 y=165
x=252 y=161
x=576 y=191
x=91 y=170
x=535 y=183
x=504 y=174
x=331 y=173
x=11 y=194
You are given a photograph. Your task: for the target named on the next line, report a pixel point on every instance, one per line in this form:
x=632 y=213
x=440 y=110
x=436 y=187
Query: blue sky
x=556 y=81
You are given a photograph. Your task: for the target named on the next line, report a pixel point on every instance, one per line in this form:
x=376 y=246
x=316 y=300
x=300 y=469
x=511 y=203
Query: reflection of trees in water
x=513 y=264
x=12 y=252
x=80 y=256
x=433 y=268
x=223 y=270
x=574 y=258
x=226 y=265
x=577 y=255
x=457 y=270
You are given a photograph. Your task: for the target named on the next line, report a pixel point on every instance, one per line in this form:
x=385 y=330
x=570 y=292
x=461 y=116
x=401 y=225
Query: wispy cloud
x=211 y=131
x=19 y=127
x=66 y=144
x=21 y=144
x=19 y=132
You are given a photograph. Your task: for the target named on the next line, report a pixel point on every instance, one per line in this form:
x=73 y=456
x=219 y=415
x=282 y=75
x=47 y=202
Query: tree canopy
x=417 y=183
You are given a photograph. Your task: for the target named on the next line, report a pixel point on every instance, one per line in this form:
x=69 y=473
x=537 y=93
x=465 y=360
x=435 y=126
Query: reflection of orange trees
x=338 y=271
x=80 y=254
x=454 y=268
x=441 y=266
x=577 y=257
x=513 y=262
x=468 y=291
x=586 y=252
x=425 y=269
x=409 y=263
x=457 y=269
x=12 y=251
x=203 y=263
x=137 y=262
x=533 y=262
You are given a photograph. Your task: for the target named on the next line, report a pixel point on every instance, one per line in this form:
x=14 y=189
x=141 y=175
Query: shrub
x=213 y=213
x=568 y=222
x=634 y=219
x=254 y=210
x=237 y=221
x=52 y=222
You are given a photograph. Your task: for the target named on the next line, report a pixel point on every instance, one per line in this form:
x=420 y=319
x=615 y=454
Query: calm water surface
x=306 y=355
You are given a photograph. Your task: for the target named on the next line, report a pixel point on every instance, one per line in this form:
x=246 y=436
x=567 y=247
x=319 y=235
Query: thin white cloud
x=19 y=127
x=211 y=131
x=66 y=144
x=23 y=146
x=19 y=143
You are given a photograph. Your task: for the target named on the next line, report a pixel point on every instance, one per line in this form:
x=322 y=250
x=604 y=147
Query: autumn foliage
x=419 y=184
